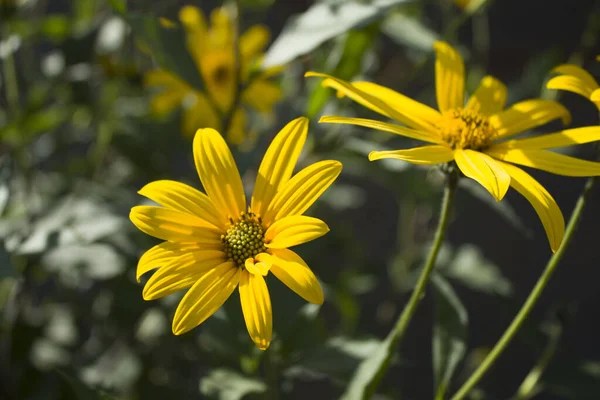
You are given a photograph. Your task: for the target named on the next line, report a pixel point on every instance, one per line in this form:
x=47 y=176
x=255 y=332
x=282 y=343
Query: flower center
x=221 y=74
x=244 y=239
x=466 y=129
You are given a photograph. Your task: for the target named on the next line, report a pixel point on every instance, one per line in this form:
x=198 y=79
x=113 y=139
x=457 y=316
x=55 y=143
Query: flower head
x=213 y=50
x=575 y=79
x=214 y=242
x=476 y=135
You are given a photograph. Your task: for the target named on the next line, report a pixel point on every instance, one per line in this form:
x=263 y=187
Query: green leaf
x=225 y=384
x=6 y=268
x=168 y=46
x=409 y=31
x=119 y=6
x=320 y=23
x=573 y=380
x=56 y=27
x=449 y=334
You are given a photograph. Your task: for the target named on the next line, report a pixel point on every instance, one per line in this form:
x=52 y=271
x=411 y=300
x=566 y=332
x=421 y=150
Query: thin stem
x=397 y=332
x=534 y=296
x=272 y=379
x=11 y=83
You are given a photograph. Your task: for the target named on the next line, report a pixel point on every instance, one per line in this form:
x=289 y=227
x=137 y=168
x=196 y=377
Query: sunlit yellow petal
x=577 y=72
x=571 y=84
x=198 y=113
x=181 y=273
x=414 y=114
x=218 y=173
x=526 y=115
x=595 y=97
x=205 y=297
x=259 y=265
x=347 y=89
x=163 y=253
x=489 y=98
x=278 y=163
x=300 y=192
x=567 y=137
x=425 y=155
x=294 y=230
x=449 y=77
x=291 y=269
x=165 y=102
x=256 y=307
x=193 y=21
x=386 y=127
x=254 y=41
x=172 y=225
x=485 y=170
x=181 y=197
x=262 y=95
x=164 y=79
x=237 y=127
x=555 y=163
x=543 y=203
x=219 y=77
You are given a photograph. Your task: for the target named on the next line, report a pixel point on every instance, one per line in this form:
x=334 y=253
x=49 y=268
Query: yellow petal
x=254 y=41
x=163 y=253
x=526 y=115
x=300 y=192
x=237 y=127
x=218 y=173
x=294 y=230
x=291 y=269
x=172 y=225
x=485 y=170
x=425 y=155
x=571 y=84
x=361 y=97
x=198 y=113
x=256 y=307
x=555 y=163
x=164 y=79
x=259 y=265
x=567 y=137
x=262 y=95
x=489 y=98
x=414 y=114
x=449 y=77
x=165 y=102
x=543 y=203
x=278 y=163
x=181 y=273
x=595 y=97
x=192 y=19
x=206 y=296
x=384 y=126
x=576 y=72
x=181 y=197
x=219 y=76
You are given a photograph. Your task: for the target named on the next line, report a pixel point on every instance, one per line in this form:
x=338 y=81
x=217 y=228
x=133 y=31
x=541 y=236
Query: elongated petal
x=262 y=95
x=294 y=230
x=199 y=114
x=256 y=307
x=414 y=114
x=206 y=296
x=172 y=225
x=181 y=197
x=167 y=80
x=526 y=115
x=426 y=155
x=300 y=192
x=278 y=163
x=361 y=97
x=449 y=77
x=218 y=173
x=162 y=254
x=485 y=170
x=576 y=72
x=555 y=163
x=543 y=203
x=595 y=97
x=291 y=269
x=181 y=273
x=567 y=137
x=254 y=41
x=384 y=126
x=166 y=101
x=571 y=84
x=489 y=98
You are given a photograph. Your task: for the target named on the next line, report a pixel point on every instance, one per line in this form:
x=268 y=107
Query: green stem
x=534 y=296
x=12 y=86
x=399 y=329
x=271 y=370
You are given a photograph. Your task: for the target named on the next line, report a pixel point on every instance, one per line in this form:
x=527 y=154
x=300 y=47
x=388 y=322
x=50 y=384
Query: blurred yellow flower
x=577 y=80
x=215 y=243
x=475 y=135
x=214 y=53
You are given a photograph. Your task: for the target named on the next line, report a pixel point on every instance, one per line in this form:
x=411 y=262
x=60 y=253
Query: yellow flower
x=214 y=243
x=577 y=80
x=476 y=135
x=213 y=51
